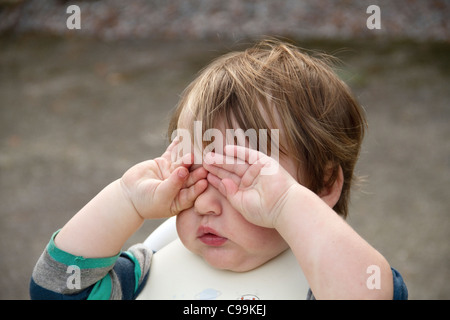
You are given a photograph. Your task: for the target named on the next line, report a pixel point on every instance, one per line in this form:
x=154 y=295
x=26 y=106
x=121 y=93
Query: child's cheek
x=186 y=229
x=256 y=239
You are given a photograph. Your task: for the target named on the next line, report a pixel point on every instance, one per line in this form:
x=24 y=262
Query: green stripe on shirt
x=102 y=289
x=137 y=270
x=83 y=263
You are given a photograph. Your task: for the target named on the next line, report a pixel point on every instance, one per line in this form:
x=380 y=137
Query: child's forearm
x=102 y=226
x=334 y=258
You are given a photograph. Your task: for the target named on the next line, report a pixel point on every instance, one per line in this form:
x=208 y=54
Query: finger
x=252 y=173
x=216 y=182
x=229 y=164
x=271 y=166
x=186 y=161
x=245 y=154
x=169 y=188
x=167 y=168
x=168 y=153
x=225 y=186
x=186 y=197
x=194 y=176
x=177 y=151
x=230 y=187
x=223 y=173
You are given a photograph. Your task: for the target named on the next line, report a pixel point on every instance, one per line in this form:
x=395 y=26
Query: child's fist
x=161 y=188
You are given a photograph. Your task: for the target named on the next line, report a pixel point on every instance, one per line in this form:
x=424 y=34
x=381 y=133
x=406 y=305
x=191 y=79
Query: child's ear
x=331 y=194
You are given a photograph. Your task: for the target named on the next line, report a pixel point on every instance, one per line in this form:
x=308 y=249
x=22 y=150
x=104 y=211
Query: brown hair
x=276 y=85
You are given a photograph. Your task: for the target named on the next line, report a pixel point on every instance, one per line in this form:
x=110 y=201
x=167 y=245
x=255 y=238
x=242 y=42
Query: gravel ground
x=232 y=19
x=76 y=113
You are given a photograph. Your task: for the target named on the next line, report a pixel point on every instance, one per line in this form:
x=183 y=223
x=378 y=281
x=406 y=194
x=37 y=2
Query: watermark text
x=374 y=20
x=249 y=138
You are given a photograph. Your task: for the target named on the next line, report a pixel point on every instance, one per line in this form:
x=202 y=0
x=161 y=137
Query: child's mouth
x=210 y=237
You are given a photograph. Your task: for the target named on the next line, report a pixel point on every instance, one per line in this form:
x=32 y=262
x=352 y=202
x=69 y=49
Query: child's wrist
x=285 y=207
x=297 y=201
x=125 y=198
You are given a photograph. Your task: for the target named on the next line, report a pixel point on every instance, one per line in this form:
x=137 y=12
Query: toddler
x=284 y=185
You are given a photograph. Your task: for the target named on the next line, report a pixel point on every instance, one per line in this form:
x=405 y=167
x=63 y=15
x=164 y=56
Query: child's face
x=213 y=229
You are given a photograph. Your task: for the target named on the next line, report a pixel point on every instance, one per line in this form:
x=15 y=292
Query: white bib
x=177 y=273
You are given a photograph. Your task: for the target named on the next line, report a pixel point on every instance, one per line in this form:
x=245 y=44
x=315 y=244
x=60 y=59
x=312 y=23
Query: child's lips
x=210 y=237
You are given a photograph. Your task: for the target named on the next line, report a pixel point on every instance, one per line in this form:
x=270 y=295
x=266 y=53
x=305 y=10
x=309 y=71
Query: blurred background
x=78 y=107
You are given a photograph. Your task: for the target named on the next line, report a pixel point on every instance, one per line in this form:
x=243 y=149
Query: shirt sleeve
x=62 y=276
x=400 y=289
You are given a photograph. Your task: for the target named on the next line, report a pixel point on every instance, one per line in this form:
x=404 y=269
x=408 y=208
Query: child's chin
x=230 y=265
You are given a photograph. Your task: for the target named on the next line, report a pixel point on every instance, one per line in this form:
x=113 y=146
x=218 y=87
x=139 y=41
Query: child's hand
x=258 y=196
x=161 y=188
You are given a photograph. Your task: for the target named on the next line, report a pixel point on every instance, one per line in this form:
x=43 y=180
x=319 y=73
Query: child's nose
x=208 y=202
